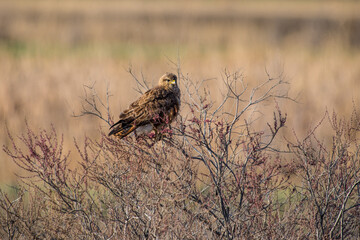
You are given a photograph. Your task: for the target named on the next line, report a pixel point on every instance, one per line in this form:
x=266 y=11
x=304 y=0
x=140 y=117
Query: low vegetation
x=213 y=175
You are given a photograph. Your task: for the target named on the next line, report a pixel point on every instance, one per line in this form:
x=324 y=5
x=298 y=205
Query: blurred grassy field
x=50 y=49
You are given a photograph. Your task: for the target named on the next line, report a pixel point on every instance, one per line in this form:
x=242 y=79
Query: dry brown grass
x=49 y=50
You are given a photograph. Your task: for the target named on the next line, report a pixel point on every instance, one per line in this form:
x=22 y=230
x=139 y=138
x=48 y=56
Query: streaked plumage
x=155 y=108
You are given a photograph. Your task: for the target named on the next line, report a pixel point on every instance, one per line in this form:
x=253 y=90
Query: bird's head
x=168 y=80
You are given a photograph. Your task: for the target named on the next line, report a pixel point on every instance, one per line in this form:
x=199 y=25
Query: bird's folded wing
x=154 y=102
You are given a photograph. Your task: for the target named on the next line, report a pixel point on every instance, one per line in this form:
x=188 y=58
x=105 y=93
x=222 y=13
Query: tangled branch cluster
x=212 y=176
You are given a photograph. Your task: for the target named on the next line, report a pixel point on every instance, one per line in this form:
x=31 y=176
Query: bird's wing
x=153 y=104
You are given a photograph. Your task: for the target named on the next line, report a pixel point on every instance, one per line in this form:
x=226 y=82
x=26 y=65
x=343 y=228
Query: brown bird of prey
x=154 y=109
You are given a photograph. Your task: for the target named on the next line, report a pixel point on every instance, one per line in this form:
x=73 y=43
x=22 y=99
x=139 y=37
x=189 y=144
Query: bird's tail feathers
x=122 y=128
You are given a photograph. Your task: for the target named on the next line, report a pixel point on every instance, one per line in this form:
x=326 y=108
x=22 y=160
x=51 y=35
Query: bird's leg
x=158 y=135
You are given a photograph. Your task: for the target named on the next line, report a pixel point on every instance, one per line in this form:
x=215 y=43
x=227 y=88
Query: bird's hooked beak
x=173 y=82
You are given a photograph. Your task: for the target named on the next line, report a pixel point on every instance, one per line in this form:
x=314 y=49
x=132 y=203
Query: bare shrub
x=328 y=193
x=213 y=175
